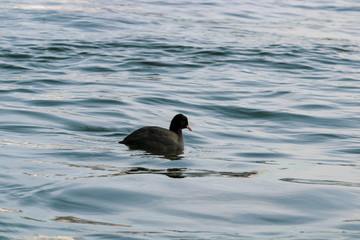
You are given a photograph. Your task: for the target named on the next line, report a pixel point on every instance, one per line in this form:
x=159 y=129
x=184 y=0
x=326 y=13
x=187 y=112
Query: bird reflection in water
x=186 y=172
x=113 y=171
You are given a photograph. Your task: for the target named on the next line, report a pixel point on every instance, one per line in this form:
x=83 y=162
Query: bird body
x=159 y=140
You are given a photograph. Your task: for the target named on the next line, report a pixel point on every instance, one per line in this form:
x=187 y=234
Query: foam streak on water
x=271 y=90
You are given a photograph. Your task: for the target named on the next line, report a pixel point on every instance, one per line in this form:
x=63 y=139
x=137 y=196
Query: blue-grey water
x=271 y=90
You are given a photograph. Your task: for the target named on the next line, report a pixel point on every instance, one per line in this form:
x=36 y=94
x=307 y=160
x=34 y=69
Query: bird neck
x=178 y=131
x=181 y=141
x=180 y=138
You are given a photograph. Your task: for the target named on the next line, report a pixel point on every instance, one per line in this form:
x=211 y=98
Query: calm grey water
x=271 y=89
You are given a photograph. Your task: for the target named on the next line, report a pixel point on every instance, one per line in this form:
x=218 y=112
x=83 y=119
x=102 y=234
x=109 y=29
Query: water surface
x=271 y=90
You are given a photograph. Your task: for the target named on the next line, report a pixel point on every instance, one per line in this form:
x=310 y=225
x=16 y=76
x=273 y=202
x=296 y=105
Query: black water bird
x=160 y=140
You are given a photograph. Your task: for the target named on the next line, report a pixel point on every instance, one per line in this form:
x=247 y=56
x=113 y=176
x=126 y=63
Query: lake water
x=271 y=90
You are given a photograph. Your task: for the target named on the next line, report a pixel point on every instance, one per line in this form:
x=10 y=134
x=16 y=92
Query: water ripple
x=321 y=182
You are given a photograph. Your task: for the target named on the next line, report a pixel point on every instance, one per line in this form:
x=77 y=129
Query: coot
x=160 y=140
